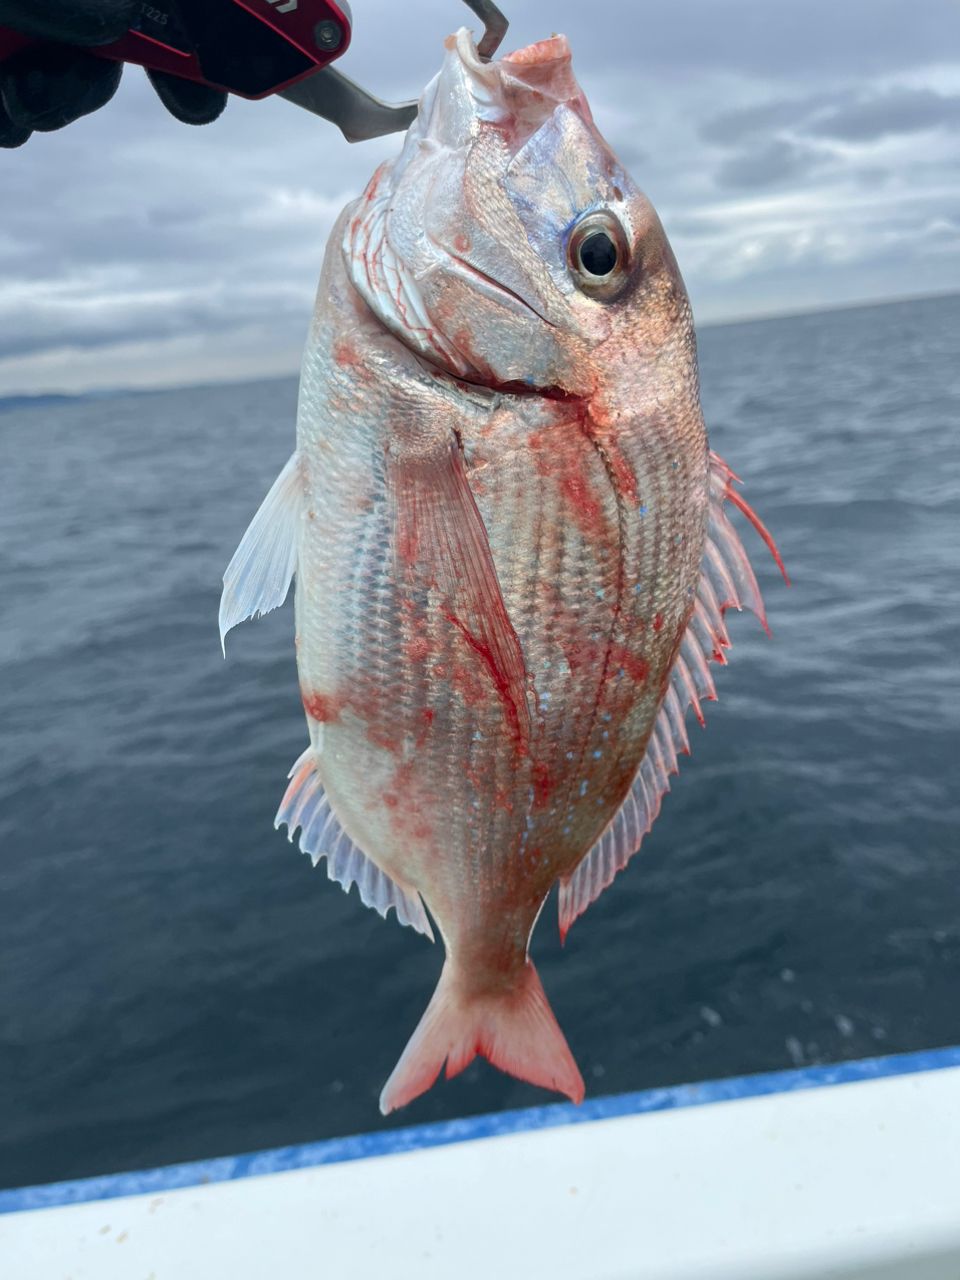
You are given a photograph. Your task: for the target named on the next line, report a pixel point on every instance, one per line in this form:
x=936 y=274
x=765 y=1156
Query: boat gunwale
x=389 y=1142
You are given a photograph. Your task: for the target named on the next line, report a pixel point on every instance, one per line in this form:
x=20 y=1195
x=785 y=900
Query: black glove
x=47 y=86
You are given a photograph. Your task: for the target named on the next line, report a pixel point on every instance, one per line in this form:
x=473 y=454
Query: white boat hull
x=860 y=1178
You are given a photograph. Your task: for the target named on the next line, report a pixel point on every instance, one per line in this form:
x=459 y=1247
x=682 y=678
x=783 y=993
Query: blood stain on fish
x=322 y=707
x=496 y=672
x=346 y=354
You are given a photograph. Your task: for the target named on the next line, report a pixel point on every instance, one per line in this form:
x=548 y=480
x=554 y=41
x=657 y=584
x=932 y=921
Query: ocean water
x=177 y=982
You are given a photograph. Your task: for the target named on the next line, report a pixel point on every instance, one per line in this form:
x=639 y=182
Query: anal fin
x=306 y=806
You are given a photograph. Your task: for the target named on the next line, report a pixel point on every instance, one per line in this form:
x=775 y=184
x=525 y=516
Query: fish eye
x=598 y=254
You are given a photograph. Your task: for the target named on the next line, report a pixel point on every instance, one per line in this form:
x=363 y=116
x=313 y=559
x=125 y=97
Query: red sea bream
x=508 y=533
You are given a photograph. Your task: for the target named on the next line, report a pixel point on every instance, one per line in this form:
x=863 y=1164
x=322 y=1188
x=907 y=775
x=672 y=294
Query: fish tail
x=515 y=1029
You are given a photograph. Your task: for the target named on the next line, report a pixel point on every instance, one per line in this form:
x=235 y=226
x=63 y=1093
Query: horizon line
x=719 y=323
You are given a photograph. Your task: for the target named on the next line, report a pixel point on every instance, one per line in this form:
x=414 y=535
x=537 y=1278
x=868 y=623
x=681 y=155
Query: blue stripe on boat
x=416 y=1138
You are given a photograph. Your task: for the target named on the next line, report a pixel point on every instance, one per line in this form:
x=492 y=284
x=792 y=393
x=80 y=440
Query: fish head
x=508 y=244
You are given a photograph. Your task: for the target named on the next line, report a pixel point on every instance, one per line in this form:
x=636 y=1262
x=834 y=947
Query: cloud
x=762 y=119
x=851 y=115
x=772 y=164
x=797 y=41
x=878 y=115
x=98 y=311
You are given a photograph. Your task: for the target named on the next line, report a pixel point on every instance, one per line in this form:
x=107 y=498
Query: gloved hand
x=47 y=86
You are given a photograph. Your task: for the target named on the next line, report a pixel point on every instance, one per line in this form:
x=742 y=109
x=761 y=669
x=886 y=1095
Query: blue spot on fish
x=583 y=787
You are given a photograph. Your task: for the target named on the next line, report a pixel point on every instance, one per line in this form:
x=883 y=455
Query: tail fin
x=515 y=1029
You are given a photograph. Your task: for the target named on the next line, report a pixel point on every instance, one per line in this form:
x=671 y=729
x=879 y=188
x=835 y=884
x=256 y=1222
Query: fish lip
x=495 y=288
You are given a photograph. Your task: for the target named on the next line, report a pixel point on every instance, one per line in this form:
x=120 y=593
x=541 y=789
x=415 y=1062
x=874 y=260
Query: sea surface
x=177 y=982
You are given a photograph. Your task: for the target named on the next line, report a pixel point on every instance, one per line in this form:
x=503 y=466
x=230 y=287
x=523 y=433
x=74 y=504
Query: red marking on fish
x=623 y=475
x=383 y=737
x=374 y=184
x=346 y=354
x=469 y=685
x=473 y=778
x=323 y=707
x=586 y=508
x=382 y=730
x=407 y=537
x=565 y=462
x=501 y=800
x=417 y=648
x=543 y=784
x=408 y=802
x=618 y=658
x=463 y=340
x=499 y=677
x=632 y=664
x=601 y=428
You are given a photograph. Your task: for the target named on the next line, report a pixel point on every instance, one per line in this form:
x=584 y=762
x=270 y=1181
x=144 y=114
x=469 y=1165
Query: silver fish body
x=508 y=535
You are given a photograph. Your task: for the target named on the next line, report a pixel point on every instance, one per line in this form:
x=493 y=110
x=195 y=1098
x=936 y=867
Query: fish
x=511 y=544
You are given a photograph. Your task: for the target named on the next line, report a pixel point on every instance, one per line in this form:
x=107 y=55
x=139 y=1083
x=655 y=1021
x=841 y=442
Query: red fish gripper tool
x=259 y=47
x=249 y=47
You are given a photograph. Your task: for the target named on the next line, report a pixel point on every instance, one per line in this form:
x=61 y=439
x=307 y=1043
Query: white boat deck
x=831 y=1172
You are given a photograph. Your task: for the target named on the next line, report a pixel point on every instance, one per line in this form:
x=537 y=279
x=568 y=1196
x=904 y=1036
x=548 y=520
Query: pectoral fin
x=259 y=575
x=441 y=545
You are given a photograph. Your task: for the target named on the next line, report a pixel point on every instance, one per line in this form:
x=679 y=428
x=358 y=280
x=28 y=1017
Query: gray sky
x=801 y=153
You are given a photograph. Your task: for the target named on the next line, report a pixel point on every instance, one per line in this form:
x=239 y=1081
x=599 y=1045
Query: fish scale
x=497 y=514
x=579 y=582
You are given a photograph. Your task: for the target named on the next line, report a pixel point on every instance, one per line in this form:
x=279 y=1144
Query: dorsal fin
x=727 y=581
x=306 y=806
